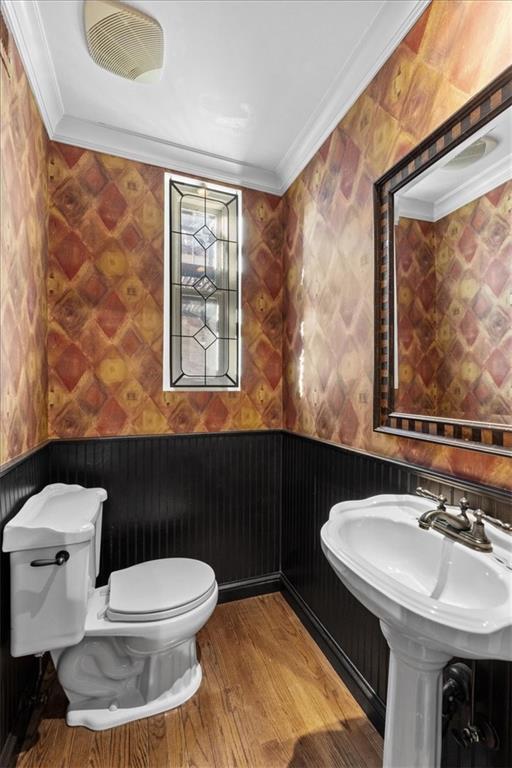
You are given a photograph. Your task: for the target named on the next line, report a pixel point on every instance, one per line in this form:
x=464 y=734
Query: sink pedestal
x=435 y=599
x=414 y=703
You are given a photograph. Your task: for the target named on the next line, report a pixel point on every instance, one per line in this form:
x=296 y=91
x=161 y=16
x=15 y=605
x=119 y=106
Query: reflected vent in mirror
x=472 y=154
x=123 y=40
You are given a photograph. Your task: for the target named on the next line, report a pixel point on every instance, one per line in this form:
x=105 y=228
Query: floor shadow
x=348 y=746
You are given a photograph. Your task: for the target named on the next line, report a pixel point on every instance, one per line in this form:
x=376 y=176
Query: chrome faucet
x=456 y=526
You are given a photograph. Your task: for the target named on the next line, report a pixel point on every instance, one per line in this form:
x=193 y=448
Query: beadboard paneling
x=213 y=497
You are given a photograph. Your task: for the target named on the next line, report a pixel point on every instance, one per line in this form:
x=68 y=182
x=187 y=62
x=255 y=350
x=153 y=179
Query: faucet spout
x=427 y=518
x=459 y=522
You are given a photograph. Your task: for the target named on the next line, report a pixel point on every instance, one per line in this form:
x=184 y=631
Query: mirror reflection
x=453 y=273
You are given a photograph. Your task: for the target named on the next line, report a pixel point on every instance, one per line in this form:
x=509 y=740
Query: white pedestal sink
x=435 y=599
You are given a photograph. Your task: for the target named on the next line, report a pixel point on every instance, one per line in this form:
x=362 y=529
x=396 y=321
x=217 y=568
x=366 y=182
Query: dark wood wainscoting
x=213 y=497
x=316 y=475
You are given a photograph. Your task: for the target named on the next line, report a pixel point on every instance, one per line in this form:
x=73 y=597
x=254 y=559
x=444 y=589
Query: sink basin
x=458 y=599
x=436 y=599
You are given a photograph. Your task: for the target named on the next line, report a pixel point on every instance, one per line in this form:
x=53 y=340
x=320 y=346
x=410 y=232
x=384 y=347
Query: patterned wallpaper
x=23 y=254
x=105 y=268
x=454 y=279
x=419 y=355
x=105 y=283
x=454 y=50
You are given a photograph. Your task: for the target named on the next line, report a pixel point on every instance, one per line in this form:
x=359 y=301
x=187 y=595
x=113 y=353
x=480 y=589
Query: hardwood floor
x=269 y=699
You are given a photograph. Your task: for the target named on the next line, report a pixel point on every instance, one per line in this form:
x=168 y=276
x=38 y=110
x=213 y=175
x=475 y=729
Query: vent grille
x=123 y=40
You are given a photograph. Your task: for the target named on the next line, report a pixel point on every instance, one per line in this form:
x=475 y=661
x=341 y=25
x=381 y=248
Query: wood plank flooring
x=269 y=699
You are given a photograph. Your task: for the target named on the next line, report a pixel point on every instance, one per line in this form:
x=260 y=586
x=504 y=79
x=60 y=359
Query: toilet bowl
x=124 y=651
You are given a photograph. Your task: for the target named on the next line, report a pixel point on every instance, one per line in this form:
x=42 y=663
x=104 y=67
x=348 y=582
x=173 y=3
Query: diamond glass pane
x=204 y=290
x=205 y=287
x=205 y=237
x=205 y=337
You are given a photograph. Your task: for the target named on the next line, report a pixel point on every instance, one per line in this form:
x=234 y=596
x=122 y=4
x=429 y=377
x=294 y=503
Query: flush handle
x=59 y=559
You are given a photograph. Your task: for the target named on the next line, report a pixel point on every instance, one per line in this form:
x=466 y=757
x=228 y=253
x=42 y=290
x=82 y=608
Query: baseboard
x=257 y=585
x=8 y=753
x=358 y=686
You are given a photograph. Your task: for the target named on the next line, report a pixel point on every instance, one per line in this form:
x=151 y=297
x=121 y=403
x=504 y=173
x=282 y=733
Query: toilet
x=124 y=651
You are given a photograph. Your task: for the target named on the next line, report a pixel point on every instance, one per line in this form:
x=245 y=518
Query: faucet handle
x=464 y=506
x=478 y=531
x=440 y=499
x=507 y=527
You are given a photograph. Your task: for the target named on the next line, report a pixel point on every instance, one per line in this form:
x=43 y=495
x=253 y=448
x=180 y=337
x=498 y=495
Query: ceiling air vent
x=124 y=40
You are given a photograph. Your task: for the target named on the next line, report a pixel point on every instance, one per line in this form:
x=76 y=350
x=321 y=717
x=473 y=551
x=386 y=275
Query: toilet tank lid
x=59 y=514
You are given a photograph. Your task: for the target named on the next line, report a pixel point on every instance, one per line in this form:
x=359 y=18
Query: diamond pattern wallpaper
x=23 y=254
x=419 y=355
x=454 y=50
x=307 y=279
x=105 y=293
x=454 y=280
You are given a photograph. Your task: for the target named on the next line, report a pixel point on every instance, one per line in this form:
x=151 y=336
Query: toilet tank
x=49 y=601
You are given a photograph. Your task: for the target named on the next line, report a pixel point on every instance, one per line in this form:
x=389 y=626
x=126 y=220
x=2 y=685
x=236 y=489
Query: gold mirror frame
x=480 y=436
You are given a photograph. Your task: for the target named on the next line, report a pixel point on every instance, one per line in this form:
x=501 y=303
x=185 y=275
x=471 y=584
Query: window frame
x=167 y=384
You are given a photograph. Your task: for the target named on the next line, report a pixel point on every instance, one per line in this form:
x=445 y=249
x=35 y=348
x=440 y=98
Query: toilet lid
x=159 y=589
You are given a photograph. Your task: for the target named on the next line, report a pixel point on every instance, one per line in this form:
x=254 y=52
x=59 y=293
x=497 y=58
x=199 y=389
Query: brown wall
x=23 y=253
x=104 y=281
x=454 y=50
x=105 y=284
x=454 y=279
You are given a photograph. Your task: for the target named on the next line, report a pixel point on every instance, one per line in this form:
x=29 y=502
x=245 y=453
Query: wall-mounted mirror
x=443 y=227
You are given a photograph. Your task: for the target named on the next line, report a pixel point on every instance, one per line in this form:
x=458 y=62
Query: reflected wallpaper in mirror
x=453 y=272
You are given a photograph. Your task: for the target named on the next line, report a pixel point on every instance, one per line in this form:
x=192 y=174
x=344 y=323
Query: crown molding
x=479 y=185
x=413 y=208
x=388 y=29
x=24 y=21
x=165 y=154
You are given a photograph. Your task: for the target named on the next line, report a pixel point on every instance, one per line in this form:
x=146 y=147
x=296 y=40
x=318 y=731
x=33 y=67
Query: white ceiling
x=440 y=190
x=250 y=89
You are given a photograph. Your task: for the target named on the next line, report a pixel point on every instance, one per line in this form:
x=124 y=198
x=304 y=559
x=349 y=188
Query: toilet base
x=114 y=680
x=102 y=719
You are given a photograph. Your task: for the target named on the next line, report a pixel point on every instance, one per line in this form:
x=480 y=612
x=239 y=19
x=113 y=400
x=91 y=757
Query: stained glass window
x=202 y=286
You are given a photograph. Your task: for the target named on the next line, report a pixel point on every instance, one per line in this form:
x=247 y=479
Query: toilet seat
x=159 y=589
